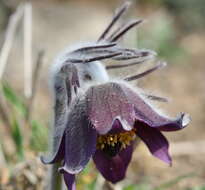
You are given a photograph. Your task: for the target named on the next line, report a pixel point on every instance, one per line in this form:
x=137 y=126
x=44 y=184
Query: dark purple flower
x=104 y=119
x=104 y=123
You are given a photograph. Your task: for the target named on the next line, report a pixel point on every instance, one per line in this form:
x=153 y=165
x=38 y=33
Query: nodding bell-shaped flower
x=99 y=118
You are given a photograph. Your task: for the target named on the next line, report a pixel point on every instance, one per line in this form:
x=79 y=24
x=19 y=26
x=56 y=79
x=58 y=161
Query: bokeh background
x=173 y=28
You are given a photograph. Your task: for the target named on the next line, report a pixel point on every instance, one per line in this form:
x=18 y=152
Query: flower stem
x=108 y=186
x=55 y=180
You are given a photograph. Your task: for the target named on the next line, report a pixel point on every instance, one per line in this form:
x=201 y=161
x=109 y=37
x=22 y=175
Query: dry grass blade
x=36 y=73
x=28 y=49
x=9 y=37
x=4 y=117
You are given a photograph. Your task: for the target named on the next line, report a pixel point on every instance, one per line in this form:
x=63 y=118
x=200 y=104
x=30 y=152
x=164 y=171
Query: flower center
x=113 y=143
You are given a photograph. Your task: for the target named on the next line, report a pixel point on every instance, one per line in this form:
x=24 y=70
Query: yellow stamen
x=112 y=139
x=102 y=146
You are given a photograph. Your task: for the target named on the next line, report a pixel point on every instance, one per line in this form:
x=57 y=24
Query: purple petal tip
x=45 y=160
x=185 y=119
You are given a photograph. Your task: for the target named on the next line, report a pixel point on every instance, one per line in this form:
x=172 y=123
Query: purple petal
x=116 y=127
x=66 y=78
x=155 y=141
x=146 y=113
x=69 y=179
x=108 y=102
x=174 y=125
x=74 y=77
x=80 y=138
x=58 y=152
x=113 y=168
x=63 y=81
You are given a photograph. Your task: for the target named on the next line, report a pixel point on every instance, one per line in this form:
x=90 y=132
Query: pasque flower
x=100 y=118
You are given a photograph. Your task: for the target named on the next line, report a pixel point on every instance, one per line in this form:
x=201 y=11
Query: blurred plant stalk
x=55 y=179
x=11 y=103
x=28 y=49
x=9 y=37
x=25 y=11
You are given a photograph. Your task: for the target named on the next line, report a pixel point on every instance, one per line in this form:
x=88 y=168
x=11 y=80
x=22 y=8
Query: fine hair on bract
x=81 y=66
x=85 y=60
x=89 y=105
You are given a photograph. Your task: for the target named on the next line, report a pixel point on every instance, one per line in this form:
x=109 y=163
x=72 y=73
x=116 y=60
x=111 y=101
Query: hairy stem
x=108 y=186
x=55 y=180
